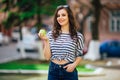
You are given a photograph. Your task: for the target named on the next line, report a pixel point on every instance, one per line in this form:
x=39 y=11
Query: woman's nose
x=61 y=17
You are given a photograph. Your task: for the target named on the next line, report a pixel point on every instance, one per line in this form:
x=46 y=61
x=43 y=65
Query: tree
x=93 y=50
x=96 y=15
x=94 y=11
x=28 y=9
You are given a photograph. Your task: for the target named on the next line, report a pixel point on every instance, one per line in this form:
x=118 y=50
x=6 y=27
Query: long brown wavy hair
x=72 y=23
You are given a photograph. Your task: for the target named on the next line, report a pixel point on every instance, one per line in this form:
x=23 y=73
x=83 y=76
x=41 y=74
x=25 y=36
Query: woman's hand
x=70 y=67
x=43 y=36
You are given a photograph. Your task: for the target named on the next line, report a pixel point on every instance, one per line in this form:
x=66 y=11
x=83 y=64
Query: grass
x=34 y=65
x=82 y=68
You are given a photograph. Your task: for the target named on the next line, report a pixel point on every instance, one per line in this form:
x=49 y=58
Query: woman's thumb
x=65 y=66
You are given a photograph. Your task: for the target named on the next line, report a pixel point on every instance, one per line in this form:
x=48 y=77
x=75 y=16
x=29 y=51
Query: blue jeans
x=57 y=72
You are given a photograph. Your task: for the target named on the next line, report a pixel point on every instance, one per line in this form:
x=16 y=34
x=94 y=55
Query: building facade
x=109 y=23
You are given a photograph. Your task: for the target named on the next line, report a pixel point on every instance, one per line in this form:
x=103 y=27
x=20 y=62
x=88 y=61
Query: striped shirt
x=65 y=48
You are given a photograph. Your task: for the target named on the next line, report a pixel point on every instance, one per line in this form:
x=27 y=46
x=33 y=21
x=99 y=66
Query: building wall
x=104 y=32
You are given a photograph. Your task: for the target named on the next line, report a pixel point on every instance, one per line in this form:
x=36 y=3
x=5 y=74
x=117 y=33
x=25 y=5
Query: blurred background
x=21 y=20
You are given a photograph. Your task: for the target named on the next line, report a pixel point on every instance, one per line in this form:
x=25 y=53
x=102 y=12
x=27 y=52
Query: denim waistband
x=60 y=65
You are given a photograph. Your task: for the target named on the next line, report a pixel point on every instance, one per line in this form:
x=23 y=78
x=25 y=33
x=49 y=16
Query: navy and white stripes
x=65 y=48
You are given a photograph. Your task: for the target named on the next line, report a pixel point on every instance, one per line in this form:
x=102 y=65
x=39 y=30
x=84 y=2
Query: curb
x=24 y=71
x=97 y=72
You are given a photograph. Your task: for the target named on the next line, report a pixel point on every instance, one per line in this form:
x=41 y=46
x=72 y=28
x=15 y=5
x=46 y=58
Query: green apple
x=43 y=31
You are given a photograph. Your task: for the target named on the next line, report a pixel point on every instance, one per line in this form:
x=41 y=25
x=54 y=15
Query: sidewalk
x=106 y=63
x=97 y=72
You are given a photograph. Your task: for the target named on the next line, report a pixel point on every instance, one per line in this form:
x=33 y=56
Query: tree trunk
x=96 y=16
x=38 y=15
x=93 y=50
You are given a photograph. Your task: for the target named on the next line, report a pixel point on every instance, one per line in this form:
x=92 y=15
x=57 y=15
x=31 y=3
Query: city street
x=111 y=71
x=65 y=30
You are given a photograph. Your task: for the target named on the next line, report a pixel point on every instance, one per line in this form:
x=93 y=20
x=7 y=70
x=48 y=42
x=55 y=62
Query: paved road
x=8 y=53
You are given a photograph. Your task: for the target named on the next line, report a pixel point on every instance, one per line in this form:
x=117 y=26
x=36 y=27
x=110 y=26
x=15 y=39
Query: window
x=114 y=21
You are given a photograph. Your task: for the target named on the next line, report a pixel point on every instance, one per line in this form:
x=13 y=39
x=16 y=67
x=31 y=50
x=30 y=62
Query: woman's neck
x=65 y=29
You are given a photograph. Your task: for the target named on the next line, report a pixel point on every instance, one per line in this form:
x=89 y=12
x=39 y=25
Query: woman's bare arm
x=46 y=50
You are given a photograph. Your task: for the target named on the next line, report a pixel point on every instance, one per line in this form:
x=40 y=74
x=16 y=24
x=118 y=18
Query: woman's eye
x=63 y=15
x=58 y=15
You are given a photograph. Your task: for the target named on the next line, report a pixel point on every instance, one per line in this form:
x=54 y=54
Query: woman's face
x=62 y=17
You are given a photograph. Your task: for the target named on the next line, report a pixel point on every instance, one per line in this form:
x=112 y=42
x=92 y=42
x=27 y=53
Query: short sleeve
x=80 y=45
x=49 y=35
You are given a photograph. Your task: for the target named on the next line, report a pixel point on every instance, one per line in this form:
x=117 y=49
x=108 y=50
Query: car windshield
x=115 y=43
x=15 y=30
x=28 y=39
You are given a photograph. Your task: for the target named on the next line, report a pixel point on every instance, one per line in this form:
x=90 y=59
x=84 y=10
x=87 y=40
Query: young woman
x=63 y=46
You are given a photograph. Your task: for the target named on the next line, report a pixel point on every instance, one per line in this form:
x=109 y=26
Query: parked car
x=6 y=40
x=15 y=34
x=28 y=44
x=110 y=48
x=1 y=38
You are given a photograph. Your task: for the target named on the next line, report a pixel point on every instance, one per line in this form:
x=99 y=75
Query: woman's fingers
x=42 y=36
x=65 y=66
